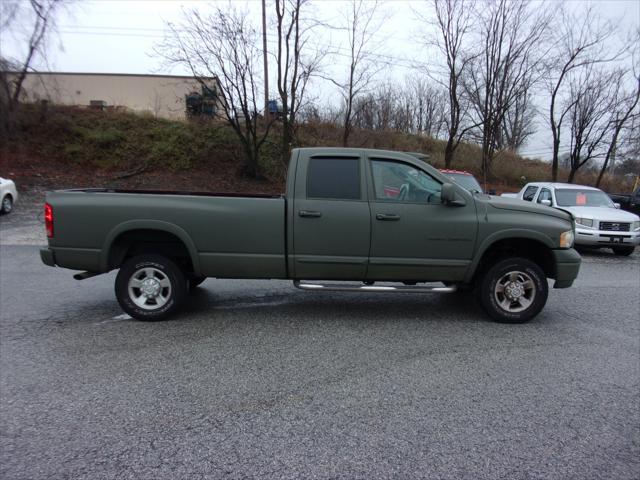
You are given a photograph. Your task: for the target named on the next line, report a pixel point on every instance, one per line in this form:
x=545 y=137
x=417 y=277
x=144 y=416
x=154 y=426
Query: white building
x=161 y=95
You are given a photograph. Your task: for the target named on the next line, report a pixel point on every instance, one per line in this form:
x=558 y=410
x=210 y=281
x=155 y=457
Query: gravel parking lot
x=258 y=380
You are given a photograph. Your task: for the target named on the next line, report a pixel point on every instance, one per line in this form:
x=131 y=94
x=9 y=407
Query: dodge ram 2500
x=337 y=222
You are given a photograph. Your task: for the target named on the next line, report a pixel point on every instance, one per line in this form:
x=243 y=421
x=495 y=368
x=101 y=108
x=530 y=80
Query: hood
x=507 y=203
x=602 y=213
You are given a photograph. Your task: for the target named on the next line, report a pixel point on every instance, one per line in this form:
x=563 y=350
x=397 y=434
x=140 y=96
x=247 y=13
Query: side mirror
x=448 y=196
x=546 y=202
x=617 y=205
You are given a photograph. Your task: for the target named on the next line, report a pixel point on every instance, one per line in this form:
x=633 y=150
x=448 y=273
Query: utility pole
x=264 y=54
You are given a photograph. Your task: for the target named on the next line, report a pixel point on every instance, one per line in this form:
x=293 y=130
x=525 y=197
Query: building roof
x=153 y=75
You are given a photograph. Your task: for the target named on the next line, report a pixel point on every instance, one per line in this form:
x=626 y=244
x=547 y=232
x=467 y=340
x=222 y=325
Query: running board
x=371 y=288
x=85 y=275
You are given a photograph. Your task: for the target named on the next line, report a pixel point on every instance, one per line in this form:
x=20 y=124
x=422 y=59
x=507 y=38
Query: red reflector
x=48 y=219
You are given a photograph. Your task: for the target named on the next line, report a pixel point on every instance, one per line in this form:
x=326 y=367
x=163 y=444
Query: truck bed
x=173 y=192
x=233 y=235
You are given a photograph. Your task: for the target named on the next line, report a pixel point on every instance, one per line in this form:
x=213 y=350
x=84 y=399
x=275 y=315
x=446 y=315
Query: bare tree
x=511 y=35
x=518 y=123
x=623 y=110
x=40 y=16
x=294 y=68
x=581 y=42
x=379 y=110
x=362 y=32
x=453 y=25
x=423 y=105
x=223 y=45
x=590 y=100
x=629 y=146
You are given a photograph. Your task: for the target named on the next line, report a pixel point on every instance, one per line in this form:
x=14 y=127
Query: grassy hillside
x=61 y=147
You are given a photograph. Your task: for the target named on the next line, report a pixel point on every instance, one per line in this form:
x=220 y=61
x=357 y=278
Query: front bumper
x=606 y=238
x=567 y=263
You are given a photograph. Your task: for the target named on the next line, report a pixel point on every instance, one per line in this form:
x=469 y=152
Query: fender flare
x=511 y=234
x=132 y=225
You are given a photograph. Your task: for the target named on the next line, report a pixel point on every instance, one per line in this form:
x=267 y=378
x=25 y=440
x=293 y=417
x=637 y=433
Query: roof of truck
x=571 y=186
x=358 y=151
x=459 y=172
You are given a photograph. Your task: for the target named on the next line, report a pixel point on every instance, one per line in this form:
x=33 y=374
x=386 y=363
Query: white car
x=599 y=221
x=8 y=195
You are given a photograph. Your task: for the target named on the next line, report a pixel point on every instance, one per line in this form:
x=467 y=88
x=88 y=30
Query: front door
x=331 y=218
x=414 y=236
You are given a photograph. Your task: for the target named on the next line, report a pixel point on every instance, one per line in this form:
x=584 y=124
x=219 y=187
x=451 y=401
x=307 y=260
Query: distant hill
x=64 y=146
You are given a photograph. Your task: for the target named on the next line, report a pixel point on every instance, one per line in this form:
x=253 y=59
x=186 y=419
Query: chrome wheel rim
x=515 y=291
x=149 y=288
x=7 y=205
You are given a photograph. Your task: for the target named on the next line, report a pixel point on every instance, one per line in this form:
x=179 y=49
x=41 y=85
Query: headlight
x=566 y=239
x=585 y=222
x=635 y=226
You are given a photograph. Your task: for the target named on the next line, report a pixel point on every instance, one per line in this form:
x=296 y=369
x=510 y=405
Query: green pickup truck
x=351 y=218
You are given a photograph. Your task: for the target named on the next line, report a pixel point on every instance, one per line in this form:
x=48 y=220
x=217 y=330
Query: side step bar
x=371 y=288
x=85 y=275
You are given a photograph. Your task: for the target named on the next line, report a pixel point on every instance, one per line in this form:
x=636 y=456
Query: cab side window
x=334 y=178
x=529 y=193
x=402 y=183
x=545 y=194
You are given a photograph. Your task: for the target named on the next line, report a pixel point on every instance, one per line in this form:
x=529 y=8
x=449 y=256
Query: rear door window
x=334 y=178
x=529 y=193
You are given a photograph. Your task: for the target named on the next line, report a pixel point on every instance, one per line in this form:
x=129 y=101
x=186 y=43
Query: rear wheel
x=514 y=290
x=623 y=251
x=150 y=287
x=7 y=204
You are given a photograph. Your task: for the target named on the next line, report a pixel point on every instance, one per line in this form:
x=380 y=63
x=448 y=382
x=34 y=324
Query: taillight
x=48 y=219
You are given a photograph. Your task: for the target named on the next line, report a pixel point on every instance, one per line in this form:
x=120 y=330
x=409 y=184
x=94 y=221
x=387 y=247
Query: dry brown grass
x=88 y=141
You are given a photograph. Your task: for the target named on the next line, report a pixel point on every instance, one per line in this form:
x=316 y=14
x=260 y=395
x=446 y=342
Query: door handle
x=389 y=217
x=309 y=214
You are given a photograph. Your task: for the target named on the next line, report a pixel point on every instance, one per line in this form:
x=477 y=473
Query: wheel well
x=532 y=250
x=137 y=242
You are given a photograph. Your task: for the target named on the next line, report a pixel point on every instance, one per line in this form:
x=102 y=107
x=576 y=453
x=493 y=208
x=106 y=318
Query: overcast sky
x=114 y=36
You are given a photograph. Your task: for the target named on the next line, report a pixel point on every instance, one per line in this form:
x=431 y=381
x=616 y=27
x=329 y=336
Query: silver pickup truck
x=355 y=215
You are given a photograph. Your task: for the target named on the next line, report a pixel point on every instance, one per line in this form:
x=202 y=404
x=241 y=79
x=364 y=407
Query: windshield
x=573 y=197
x=467 y=181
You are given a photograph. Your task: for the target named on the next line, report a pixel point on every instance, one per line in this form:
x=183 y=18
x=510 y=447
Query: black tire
x=519 y=276
x=195 y=281
x=166 y=282
x=7 y=204
x=623 y=251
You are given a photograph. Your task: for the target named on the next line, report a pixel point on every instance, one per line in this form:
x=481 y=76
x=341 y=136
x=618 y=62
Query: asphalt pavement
x=255 y=379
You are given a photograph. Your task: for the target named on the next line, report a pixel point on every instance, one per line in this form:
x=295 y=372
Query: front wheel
x=514 y=290
x=150 y=287
x=623 y=251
